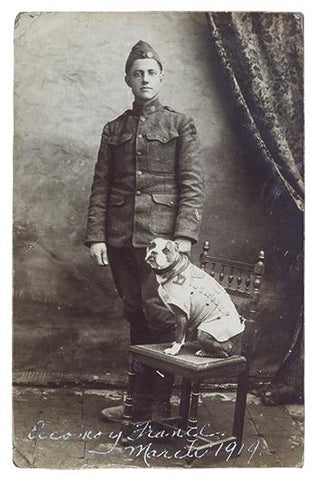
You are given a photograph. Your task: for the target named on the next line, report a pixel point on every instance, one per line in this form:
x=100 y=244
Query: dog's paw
x=174 y=350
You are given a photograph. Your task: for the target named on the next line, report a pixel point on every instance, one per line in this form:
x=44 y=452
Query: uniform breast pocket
x=161 y=151
x=122 y=149
x=163 y=213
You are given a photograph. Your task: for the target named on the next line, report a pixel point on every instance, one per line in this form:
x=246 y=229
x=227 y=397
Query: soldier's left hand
x=184 y=245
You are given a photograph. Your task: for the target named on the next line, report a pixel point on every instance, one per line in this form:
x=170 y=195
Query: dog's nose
x=151 y=258
x=151 y=253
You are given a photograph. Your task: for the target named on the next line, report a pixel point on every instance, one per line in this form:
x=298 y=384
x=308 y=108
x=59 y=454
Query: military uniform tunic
x=148 y=182
x=148 y=179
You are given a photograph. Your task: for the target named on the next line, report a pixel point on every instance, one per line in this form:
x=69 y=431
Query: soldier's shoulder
x=184 y=122
x=183 y=117
x=172 y=110
x=166 y=107
x=112 y=124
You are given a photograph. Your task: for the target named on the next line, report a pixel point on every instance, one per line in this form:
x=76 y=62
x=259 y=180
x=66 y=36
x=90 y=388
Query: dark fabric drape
x=262 y=59
x=262 y=56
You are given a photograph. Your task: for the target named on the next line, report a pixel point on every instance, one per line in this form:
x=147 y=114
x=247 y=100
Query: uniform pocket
x=119 y=139
x=122 y=148
x=116 y=217
x=161 y=151
x=163 y=213
x=117 y=200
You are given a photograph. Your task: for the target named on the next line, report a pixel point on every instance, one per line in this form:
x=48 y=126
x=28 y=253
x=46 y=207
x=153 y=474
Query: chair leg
x=128 y=405
x=185 y=402
x=192 y=420
x=240 y=407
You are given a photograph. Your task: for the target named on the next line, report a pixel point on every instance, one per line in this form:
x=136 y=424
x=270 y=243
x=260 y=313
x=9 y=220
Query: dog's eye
x=165 y=250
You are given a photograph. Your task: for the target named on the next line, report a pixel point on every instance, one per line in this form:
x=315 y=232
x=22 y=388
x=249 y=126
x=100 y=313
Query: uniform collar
x=148 y=107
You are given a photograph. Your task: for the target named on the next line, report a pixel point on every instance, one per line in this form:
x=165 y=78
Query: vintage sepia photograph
x=158 y=240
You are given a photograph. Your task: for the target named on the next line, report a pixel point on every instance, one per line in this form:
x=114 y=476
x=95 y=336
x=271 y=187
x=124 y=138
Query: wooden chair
x=242 y=281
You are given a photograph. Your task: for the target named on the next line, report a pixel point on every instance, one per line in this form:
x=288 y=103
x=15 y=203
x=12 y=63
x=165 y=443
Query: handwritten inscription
x=146 y=450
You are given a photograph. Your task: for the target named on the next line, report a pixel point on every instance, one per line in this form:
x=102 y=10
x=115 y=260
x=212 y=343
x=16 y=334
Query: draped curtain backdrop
x=262 y=54
x=262 y=59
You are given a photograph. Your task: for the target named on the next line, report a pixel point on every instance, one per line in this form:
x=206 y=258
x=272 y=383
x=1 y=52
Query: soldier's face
x=145 y=79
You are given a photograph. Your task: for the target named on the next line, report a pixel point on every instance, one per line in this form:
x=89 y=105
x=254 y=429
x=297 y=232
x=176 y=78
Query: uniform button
x=139 y=152
x=139 y=135
x=142 y=118
x=138 y=193
x=139 y=172
x=153 y=108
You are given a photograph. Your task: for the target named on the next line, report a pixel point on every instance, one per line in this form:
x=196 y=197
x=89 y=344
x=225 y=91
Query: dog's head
x=161 y=253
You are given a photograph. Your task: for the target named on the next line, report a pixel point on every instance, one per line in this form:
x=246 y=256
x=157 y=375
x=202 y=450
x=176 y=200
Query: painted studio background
x=69 y=81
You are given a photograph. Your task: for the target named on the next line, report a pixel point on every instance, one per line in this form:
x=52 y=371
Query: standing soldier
x=148 y=182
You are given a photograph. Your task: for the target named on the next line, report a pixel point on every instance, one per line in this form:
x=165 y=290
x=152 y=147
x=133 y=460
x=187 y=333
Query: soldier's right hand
x=98 y=253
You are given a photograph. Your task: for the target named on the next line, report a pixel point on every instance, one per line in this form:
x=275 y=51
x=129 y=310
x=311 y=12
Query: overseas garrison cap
x=141 y=50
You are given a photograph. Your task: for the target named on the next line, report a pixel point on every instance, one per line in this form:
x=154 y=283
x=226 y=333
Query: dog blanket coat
x=204 y=301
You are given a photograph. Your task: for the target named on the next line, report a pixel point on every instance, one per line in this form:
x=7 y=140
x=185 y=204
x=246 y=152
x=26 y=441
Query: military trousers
x=149 y=319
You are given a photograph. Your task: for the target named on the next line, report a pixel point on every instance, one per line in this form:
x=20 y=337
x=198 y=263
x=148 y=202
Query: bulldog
x=199 y=303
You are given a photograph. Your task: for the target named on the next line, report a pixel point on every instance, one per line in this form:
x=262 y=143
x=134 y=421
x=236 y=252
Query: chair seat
x=186 y=363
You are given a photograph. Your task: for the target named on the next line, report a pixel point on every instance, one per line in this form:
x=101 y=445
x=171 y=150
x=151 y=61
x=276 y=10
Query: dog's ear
x=150 y=247
x=172 y=246
x=175 y=246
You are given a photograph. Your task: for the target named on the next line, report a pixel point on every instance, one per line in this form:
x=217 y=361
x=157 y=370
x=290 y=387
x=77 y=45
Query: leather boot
x=141 y=410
